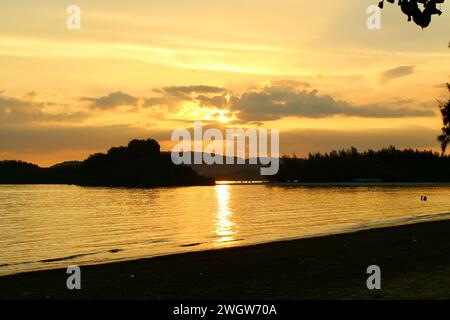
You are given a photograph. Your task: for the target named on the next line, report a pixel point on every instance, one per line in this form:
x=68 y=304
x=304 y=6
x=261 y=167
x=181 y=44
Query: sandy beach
x=414 y=260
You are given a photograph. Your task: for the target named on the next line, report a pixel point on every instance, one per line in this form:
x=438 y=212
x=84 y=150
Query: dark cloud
x=208 y=96
x=278 y=99
x=15 y=111
x=112 y=101
x=214 y=101
x=150 y=102
x=398 y=72
x=273 y=102
x=186 y=91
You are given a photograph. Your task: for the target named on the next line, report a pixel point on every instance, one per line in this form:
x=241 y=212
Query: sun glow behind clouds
x=139 y=46
x=223 y=116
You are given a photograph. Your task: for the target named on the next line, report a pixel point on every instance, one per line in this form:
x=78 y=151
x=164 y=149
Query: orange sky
x=140 y=69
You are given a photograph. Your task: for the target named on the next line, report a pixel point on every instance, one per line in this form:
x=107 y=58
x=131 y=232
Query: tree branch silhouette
x=419 y=11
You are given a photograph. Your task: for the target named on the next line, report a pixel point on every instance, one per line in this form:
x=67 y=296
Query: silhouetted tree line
x=387 y=165
x=140 y=164
x=13 y=171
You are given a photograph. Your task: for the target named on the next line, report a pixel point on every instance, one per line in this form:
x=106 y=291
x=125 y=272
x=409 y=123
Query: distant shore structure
x=375 y=180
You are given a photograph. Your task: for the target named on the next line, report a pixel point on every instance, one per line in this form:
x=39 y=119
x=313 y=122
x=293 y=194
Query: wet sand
x=414 y=262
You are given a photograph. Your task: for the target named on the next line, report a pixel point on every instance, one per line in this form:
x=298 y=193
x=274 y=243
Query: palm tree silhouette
x=444 y=138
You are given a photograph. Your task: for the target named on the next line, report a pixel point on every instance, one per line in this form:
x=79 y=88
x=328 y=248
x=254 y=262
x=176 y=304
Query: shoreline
x=253 y=183
x=376 y=225
x=414 y=260
x=335 y=184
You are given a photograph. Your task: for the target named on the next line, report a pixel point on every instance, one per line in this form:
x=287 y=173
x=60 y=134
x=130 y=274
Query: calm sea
x=49 y=226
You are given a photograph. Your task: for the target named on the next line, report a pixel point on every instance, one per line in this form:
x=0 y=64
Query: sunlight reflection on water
x=224 y=225
x=48 y=226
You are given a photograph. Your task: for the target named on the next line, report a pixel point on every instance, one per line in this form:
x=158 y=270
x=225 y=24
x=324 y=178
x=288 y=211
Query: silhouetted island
x=140 y=164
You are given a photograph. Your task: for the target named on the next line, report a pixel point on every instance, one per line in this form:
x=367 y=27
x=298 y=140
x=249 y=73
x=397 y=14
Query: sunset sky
x=140 y=69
